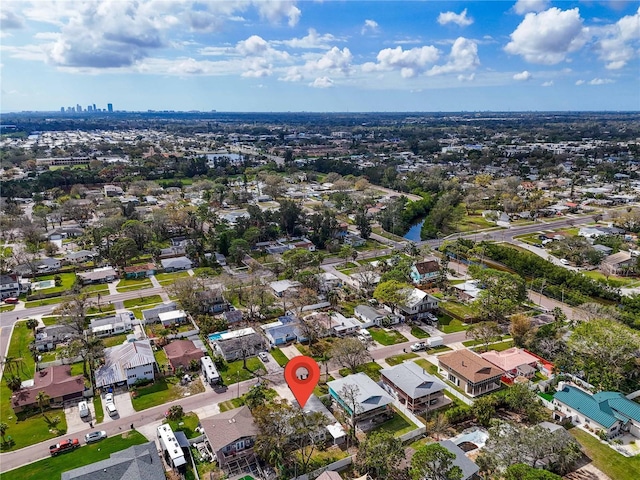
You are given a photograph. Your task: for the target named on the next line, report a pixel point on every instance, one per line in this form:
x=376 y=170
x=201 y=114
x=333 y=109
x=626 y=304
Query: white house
x=126 y=363
x=175 y=264
x=118 y=324
x=80 y=256
x=172 y=317
x=9 y=286
x=370 y=316
x=418 y=304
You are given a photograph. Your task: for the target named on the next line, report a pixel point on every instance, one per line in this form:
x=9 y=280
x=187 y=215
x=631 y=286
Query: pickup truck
x=64 y=446
x=416 y=347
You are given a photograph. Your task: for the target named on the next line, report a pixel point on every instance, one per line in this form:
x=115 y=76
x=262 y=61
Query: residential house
x=418 y=390
x=9 y=286
x=212 y=299
x=48 y=337
x=98 y=275
x=468 y=291
x=469 y=469
x=516 y=362
x=233 y=316
x=328 y=282
x=172 y=317
x=372 y=403
x=142 y=270
x=112 y=191
x=80 y=256
x=180 y=353
x=114 y=325
x=176 y=264
x=342 y=326
x=470 y=372
x=618 y=262
x=417 y=304
x=611 y=412
x=371 y=317
x=232 y=436
x=139 y=462
x=48 y=264
x=280 y=287
x=333 y=427
x=603 y=249
x=221 y=259
x=152 y=315
x=126 y=364
x=354 y=240
x=286 y=329
x=423 y=272
x=236 y=344
x=57 y=382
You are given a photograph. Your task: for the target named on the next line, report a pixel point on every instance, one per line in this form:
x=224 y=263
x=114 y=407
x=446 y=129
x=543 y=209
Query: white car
x=108 y=398
x=564 y=261
x=263 y=356
x=416 y=347
x=111 y=409
x=95 y=436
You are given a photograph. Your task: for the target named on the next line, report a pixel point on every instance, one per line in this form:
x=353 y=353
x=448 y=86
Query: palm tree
x=42 y=398
x=8 y=363
x=32 y=324
x=3 y=430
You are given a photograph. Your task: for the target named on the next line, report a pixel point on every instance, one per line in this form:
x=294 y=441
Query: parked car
x=96 y=436
x=64 y=446
x=111 y=409
x=416 y=347
x=564 y=261
x=83 y=408
x=108 y=398
x=11 y=300
x=263 y=356
x=431 y=318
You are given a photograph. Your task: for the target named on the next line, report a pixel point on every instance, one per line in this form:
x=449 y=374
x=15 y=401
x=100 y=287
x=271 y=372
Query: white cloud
x=409 y=62
x=9 y=20
x=311 y=41
x=370 y=26
x=548 y=84
x=523 y=76
x=579 y=82
x=274 y=10
x=467 y=78
x=460 y=19
x=620 y=41
x=600 y=81
x=525 y=6
x=334 y=60
x=548 y=37
x=463 y=57
x=322 y=82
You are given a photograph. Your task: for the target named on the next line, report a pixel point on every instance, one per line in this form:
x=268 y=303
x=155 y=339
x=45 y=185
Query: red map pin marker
x=302 y=375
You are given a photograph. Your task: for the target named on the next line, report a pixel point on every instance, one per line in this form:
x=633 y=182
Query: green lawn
x=129 y=284
x=115 y=340
x=615 y=282
x=613 y=464
x=168 y=278
x=427 y=366
x=398 y=359
x=234 y=372
x=7 y=308
x=161 y=358
x=104 y=308
x=163 y=390
x=387 y=337
x=231 y=404
x=372 y=369
x=67 y=281
x=460 y=310
x=418 y=332
x=447 y=324
x=279 y=357
x=470 y=223
x=97 y=406
x=150 y=301
x=101 y=288
x=52 y=468
x=187 y=424
x=45 y=301
x=398 y=425
x=52 y=320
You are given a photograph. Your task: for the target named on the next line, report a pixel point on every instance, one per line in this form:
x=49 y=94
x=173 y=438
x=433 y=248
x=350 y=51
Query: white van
x=83 y=408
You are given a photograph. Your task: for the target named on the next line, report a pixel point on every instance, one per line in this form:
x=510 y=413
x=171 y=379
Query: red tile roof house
x=181 y=352
x=516 y=362
x=469 y=371
x=57 y=382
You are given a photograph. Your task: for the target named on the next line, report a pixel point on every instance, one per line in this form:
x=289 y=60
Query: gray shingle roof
x=229 y=426
x=370 y=394
x=413 y=380
x=140 y=462
x=468 y=467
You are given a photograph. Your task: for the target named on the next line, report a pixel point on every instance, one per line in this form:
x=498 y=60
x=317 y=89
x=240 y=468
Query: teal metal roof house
x=609 y=411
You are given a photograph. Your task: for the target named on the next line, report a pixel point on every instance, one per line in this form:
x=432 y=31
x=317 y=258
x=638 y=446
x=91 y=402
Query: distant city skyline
x=287 y=55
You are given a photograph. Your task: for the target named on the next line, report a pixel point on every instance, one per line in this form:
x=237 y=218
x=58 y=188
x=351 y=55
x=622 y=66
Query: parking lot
x=122 y=401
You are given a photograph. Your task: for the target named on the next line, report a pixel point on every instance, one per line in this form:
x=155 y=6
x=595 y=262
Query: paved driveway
x=74 y=422
x=122 y=401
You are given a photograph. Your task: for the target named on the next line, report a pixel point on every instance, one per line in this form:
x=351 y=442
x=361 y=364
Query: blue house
x=282 y=331
x=426 y=271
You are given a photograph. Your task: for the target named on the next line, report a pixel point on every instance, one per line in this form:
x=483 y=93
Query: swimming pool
x=42 y=285
x=215 y=336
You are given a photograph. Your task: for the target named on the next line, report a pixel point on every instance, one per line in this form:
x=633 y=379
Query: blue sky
x=287 y=55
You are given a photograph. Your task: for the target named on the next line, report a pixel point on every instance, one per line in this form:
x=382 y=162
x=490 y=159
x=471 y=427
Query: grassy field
x=97 y=406
x=279 y=357
x=67 y=281
x=616 y=466
x=162 y=391
x=45 y=301
x=383 y=337
x=398 y=425
x=53 y=467
x=418 y=332
x=234 y=372
x=52 y=320
x=470 y=223
x=7 y=308
x=187 y=424
x=372 y=369
x=615 y=282
x=130 y=284
x=398 y=359
x=169 y=278
x=115 y=340
x=101 y=288
x=231 y=404
x=447 y=324
x=104 y=308
x=161 y=357
x=460 y=310
x=150 y=301
x=427 y=366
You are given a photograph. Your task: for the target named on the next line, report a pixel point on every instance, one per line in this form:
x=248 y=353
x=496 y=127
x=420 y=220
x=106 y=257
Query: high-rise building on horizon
x=110 y=107
x=62 y=109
